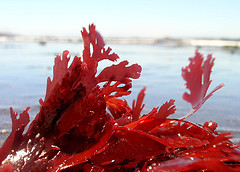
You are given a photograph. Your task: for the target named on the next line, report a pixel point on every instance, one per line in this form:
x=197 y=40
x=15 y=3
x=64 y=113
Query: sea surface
x=25 y=67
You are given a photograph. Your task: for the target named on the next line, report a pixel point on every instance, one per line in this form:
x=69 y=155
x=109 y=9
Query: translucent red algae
x=83 y=126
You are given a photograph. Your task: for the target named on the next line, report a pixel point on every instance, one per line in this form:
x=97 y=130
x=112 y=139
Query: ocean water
x=25 y=67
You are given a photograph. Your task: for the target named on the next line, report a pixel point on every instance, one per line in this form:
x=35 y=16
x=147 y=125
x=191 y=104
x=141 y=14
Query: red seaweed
x=84 y=124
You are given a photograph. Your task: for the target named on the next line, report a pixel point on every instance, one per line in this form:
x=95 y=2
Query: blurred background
x=158 y=35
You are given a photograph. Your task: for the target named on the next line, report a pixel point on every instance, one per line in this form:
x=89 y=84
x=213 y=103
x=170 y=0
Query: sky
x=122 y=18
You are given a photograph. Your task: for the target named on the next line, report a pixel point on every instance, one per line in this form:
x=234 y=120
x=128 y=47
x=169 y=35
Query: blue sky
x=137 y=18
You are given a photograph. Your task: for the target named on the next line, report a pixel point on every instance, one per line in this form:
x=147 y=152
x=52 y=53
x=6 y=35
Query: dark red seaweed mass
x=86 y=126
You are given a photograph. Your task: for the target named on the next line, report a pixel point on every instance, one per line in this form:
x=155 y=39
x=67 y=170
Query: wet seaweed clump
x=85 y=125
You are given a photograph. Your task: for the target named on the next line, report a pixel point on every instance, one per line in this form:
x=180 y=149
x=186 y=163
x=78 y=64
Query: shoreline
x=197 y=42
